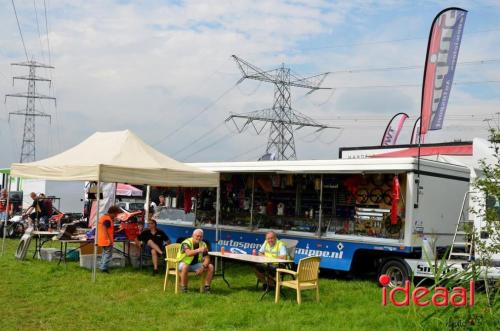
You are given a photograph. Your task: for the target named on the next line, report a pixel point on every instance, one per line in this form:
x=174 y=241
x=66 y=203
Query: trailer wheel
x=397 y=272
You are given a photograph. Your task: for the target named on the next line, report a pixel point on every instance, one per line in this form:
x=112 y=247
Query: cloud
x=154 y=65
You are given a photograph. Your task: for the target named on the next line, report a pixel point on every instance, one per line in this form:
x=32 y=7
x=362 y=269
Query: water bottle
x=254 y=252
x=222 y=250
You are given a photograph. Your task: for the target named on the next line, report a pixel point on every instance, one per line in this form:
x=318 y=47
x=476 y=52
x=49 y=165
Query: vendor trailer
x=337 y=209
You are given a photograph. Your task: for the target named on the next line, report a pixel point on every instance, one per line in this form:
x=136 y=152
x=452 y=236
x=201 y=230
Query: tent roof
x=118 y=156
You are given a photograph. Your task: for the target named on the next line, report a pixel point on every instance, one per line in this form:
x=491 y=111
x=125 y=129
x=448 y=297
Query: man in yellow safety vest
x=273 y=248
x=193 y=256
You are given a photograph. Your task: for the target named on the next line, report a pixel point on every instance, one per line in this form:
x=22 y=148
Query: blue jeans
x=3 y=221
x=107 y=253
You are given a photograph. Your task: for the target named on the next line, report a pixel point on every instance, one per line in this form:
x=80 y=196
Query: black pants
x=270 y=269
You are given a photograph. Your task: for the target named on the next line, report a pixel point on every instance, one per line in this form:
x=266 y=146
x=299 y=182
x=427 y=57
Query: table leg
x=266 y=276
x=36 y=245
x=65 y=254
x=60 y=256
x=37 y=248
x=223 y=272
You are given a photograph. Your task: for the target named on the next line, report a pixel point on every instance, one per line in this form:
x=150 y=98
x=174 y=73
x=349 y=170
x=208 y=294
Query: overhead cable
x=210 y=105
x=20 y=32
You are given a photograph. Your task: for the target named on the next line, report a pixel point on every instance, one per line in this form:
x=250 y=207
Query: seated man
x=155 y=239
x=193 y=256
x=273 y=248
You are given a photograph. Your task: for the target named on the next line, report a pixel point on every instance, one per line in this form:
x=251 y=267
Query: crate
x=87 y=259
x=50 y=254
x=135 y=257
x=117 y=261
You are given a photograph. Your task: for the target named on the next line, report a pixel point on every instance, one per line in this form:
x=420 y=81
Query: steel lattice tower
x=28 y=150
x=282 y=118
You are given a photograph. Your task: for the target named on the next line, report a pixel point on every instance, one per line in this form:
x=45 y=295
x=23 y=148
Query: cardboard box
x=86 y=249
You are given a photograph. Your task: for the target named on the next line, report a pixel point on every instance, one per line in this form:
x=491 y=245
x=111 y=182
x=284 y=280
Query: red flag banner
x=396 y=191
x=440 y=63
x=391 y=133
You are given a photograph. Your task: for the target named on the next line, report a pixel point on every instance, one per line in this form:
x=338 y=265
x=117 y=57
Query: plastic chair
x=291 y=244
x=172 y=267
x=306 y=277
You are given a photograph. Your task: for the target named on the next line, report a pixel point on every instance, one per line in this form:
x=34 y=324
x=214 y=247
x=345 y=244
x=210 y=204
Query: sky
x=163 y=69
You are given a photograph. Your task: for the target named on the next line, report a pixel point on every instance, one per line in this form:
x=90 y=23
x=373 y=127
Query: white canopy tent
x=118 y=156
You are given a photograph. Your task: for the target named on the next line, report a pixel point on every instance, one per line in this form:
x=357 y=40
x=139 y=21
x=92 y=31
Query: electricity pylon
x=28 y=149
x=282 y=118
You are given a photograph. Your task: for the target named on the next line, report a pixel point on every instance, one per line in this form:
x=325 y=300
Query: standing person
x=273 y=248
x=5 y=211
x=193 y=256
x=155 y=239
x=105 y=238
x=161 y=204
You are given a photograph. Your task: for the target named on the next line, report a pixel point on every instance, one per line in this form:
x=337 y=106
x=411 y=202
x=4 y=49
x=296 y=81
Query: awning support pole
x=96 y=224
x=148 y=203
x=7 y=214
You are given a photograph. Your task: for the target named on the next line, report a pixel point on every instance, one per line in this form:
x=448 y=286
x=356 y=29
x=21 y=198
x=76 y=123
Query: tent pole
x=96 y=223
x=7 y=214
x=320 y=214
x=146 y=207
x=217 y=213
x=251 y=201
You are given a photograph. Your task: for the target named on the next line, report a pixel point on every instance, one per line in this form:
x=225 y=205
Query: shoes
x=155 y=272
x=106 y=271
x=207 y=289
x=184 y=289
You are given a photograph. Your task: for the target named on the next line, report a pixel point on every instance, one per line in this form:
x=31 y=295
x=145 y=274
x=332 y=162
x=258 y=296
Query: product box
x=88 y=248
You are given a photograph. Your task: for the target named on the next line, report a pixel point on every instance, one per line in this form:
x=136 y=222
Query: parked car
x=131 y=206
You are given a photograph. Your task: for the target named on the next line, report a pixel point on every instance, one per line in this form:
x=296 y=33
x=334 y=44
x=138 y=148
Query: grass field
x=39 y=295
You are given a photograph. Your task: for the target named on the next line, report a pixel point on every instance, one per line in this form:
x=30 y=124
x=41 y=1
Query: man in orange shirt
x=105 y=236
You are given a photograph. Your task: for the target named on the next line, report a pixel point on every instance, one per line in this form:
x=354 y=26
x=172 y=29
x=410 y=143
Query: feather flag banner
x=442 y=53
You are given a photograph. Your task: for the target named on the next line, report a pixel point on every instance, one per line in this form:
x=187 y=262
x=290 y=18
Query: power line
x=302 y=50
x=210 y=145
x=38 y=29
x=415 y=85
x=20 y=32
x=384 y=118
x=409 y=67
x=47 y=30
x=199 y=138
x=246 y=152
x=395 y=68
x=210 y=105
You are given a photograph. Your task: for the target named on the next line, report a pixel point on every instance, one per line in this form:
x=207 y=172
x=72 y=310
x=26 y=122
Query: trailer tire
x=397 y=272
